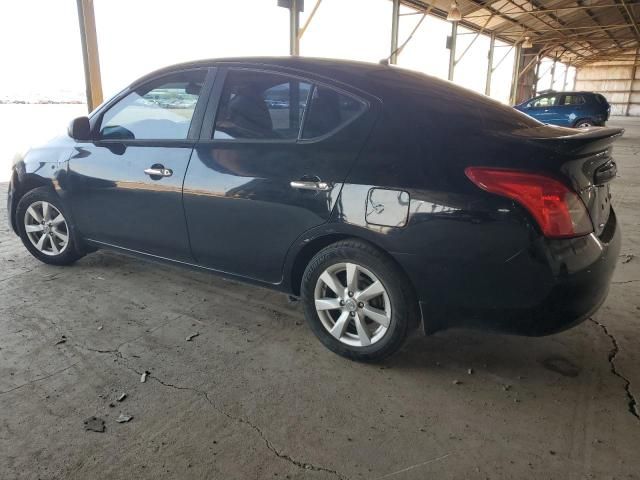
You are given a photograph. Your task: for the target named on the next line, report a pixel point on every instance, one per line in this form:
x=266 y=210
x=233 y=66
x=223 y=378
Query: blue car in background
x=568 y=109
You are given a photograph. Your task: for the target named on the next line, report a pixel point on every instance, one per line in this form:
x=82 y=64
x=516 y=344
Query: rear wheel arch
x=306 y=254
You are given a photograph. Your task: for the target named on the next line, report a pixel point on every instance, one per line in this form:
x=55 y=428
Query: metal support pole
x=309 y=19
x=294 y=28
x=89 y=40
x=633 y=79
x=452 y=49
x=516 y=74
x=566 y=73
x=487 y=86
x=536 y=78
x=395 y=24
x=553 y=72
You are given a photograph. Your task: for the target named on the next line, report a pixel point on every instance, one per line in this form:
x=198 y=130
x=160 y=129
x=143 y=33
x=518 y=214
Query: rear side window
x=159 y=110
x=573 y=100
x=261 y=105
x=329 y=110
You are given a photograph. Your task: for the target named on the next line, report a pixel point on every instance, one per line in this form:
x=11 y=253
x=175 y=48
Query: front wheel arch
x=21 y=188
x=583 y=120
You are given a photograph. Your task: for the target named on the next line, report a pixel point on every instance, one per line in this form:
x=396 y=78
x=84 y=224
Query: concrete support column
x=395 y=27
x=91 y=60
x=492 y=45
x=452 y=49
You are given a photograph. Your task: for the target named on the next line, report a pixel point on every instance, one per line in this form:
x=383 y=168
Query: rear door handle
x=158 y=172
x=318 y=186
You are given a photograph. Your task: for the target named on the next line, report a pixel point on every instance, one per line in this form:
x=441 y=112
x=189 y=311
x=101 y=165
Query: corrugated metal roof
x=576 y=32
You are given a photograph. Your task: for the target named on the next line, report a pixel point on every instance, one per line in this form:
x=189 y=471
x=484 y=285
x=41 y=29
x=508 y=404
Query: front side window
x=546 y=101
x=159 y=110
x=329 y=110
x=261 y=105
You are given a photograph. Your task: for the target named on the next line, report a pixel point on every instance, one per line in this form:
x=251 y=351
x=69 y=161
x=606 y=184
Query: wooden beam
x=91 y=60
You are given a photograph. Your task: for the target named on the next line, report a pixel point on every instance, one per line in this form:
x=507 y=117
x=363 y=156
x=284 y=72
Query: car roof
x=341 y=70
x=568 y=92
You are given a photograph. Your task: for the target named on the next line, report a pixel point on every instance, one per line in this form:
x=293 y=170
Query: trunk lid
x=584 y=158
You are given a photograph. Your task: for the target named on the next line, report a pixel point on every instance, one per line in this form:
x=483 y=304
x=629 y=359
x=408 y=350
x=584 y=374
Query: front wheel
x=45 y=228
x=584 y=123
x=357 y=301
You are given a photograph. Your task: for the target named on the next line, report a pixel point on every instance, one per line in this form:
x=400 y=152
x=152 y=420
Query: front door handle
x=158 y=171
x=317 y=186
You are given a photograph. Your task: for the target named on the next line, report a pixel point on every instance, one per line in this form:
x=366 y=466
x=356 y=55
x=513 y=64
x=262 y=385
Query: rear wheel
x=584 y=123
x=45 y=228
x=357 y=301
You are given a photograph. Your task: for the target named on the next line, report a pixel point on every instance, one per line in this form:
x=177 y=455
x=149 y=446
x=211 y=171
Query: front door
x=275 y=151
x=126 y=185
x=544 y=109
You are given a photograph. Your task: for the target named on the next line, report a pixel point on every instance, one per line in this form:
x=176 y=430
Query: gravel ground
x=254 y=395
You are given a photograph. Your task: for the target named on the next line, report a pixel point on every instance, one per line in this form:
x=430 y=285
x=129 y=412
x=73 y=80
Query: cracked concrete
x=304 y=465
x=633 y=404
x=256 y=396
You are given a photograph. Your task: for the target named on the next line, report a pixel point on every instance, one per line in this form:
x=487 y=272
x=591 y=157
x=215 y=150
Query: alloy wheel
x=46 y=228
x=352 y=304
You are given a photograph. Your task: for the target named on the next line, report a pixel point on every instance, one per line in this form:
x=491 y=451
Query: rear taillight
x=558 y=210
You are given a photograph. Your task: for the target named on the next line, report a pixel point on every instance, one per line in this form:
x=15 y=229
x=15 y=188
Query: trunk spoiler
x=569 y=141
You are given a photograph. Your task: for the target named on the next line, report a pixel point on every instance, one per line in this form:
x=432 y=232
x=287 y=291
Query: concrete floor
x=256 y=396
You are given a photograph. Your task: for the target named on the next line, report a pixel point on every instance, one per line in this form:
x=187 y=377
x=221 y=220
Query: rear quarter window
x=601 y=99
x=573 y=100
x=329 y=110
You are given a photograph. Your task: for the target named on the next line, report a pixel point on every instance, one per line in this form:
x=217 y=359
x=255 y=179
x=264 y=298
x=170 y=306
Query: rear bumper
x=546 y=288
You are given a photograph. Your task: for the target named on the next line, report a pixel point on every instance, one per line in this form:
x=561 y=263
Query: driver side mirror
x=80 y=129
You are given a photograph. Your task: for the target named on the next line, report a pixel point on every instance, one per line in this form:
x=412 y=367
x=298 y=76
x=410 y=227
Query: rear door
x=273 y=154
x=571 y=108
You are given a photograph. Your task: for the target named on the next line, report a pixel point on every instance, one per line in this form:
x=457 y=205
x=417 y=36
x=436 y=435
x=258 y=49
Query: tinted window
x=328 y=110
x=259 y=105
x=546 y=101
x=601 y=99
x=573 y=100
x=161 y=109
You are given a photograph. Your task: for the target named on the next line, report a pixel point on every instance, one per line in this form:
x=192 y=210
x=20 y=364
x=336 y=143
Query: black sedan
x=386 y=199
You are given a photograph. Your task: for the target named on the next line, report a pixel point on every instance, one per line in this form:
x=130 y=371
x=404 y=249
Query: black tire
x=583 y=123
x=403 y=304
x=71 y=252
